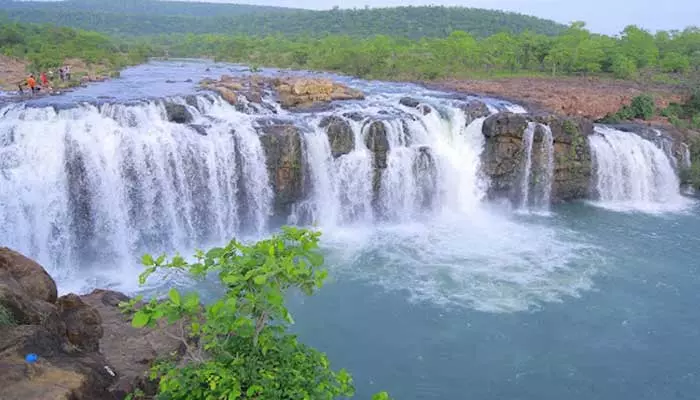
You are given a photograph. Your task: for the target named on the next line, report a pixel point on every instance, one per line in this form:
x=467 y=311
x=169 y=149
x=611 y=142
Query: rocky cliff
x=505 y=152
x=86 y=348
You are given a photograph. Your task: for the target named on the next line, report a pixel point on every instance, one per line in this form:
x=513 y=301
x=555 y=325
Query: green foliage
x=6 y=317
x=238 y=346
x=47 y=47
x=623 y=67
x=150 y=17
x=642 y=107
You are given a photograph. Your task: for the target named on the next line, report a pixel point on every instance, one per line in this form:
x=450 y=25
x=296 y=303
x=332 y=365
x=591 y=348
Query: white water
x=540 y=198
x=87 y=190
x=633 y=174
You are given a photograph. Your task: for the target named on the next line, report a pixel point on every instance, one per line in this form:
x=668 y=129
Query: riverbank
x=590 y=97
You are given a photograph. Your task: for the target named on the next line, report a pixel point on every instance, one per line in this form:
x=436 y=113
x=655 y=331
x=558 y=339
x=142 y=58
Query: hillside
x=151 y=17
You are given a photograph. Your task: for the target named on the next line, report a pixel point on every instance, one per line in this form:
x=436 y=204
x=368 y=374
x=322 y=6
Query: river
x=443 y=295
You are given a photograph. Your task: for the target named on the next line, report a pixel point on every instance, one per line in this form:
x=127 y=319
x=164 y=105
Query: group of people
x=43 y=83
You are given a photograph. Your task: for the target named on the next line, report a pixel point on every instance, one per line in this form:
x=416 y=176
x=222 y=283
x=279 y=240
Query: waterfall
x=94 y=185
x=100 y=185
x=632 y=173
x=543 y=174
x=687 y=162
x=528 y=138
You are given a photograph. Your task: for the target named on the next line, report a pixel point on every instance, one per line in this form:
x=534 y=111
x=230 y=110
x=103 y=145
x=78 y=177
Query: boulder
x=177 y=113
x=503 y=155
x=83 y=323
x=475 y=109
x=31 y=276
x=409 y=102
x=129 y=351
x=340 y=135
x=300 y=92
x=377 y=142
x=282 y=146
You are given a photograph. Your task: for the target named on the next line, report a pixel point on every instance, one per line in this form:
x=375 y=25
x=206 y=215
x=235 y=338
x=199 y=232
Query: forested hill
x=150 y=17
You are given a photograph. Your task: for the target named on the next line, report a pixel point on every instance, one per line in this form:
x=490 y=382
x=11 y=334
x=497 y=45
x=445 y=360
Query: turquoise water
x=634 y=333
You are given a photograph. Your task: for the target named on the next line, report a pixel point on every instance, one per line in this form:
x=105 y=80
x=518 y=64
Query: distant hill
x=152 y=17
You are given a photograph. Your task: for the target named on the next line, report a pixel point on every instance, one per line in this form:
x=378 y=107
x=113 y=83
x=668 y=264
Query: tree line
x=48 y=46
x=670 y=56
x=150 y=17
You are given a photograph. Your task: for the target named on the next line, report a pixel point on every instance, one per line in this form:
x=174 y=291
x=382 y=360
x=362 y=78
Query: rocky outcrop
x=177 y=113
x=340 y=135
x=474 y=109
x=299 y=92
x=86 y=347
x=504 y=154
x=282 y=146
x=294 y=93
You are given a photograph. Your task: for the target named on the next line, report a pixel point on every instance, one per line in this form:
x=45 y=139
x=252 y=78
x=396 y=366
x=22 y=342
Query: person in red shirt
x=44 y=80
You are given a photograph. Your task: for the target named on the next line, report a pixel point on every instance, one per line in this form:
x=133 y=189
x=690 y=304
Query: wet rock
x=409 y=102
x=200 y=129
x=178 y=113
x=502 y=159
x=169 y=81
x=31 y=276
x=425 y=172
x=474 y=110
x=340 y=135
x=83 y=323
x=377 y=142
x=355 y=116
x=282 y=146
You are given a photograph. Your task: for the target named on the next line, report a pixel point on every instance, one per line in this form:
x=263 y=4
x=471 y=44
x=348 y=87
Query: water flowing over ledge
x=395 y=182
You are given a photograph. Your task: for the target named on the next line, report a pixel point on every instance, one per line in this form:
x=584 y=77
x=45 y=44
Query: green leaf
x=259 y=280
x=140 y=320
x=174 y=296
x=147 y=260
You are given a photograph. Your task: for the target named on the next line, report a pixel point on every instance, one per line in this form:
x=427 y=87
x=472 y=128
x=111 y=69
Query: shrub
x=642 y=107
x=238 y=346
x=6 y=318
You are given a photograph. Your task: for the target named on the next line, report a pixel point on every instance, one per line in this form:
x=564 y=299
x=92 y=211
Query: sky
x=602 y=16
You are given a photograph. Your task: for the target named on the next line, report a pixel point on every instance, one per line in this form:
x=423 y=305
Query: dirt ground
x=13 y=71
x=574 y=96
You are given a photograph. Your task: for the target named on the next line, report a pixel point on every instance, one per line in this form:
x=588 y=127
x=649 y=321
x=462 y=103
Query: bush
x=6 y=318
x=623 y=67
x=642 y=107
x=238 y=346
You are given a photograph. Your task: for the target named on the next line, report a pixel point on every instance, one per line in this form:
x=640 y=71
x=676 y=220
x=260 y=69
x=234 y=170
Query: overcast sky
x=604 y=16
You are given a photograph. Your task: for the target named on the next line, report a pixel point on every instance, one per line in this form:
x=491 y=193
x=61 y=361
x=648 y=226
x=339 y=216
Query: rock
x=296 y=92
x=340 y=135
x=503 y=155
x=58 y=374
x=169 y=81
x=177 y=113
x=474 y=110
x=200 y=129
x=409 y=102
x=24 y=308
x=129 y=351
x=31 y=276
x=282 y=146
x=83 y=323
x=377 y=142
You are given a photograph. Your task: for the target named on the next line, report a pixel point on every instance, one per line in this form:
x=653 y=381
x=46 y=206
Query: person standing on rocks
x=31 y=82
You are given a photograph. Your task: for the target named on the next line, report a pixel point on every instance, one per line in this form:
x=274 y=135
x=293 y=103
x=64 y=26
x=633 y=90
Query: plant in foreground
x=238 y=346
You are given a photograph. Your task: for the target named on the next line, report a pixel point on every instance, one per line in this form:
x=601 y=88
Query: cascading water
x=94 y=185
x=543 y=174
x=632 y=173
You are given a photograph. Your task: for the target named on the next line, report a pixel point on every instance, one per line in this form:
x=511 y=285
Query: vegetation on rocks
x=238 y=346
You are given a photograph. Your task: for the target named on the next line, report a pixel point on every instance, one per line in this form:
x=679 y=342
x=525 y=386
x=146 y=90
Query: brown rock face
x=308 y=92
x=83 y=323
x=282 y=146
x=340 y=135
x=504 y=154
x=129 y=351
x=35 y=281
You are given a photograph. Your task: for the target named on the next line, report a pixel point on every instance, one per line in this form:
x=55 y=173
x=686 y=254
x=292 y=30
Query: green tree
x=639 y=45
x=238 y=346
x=623 y=67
